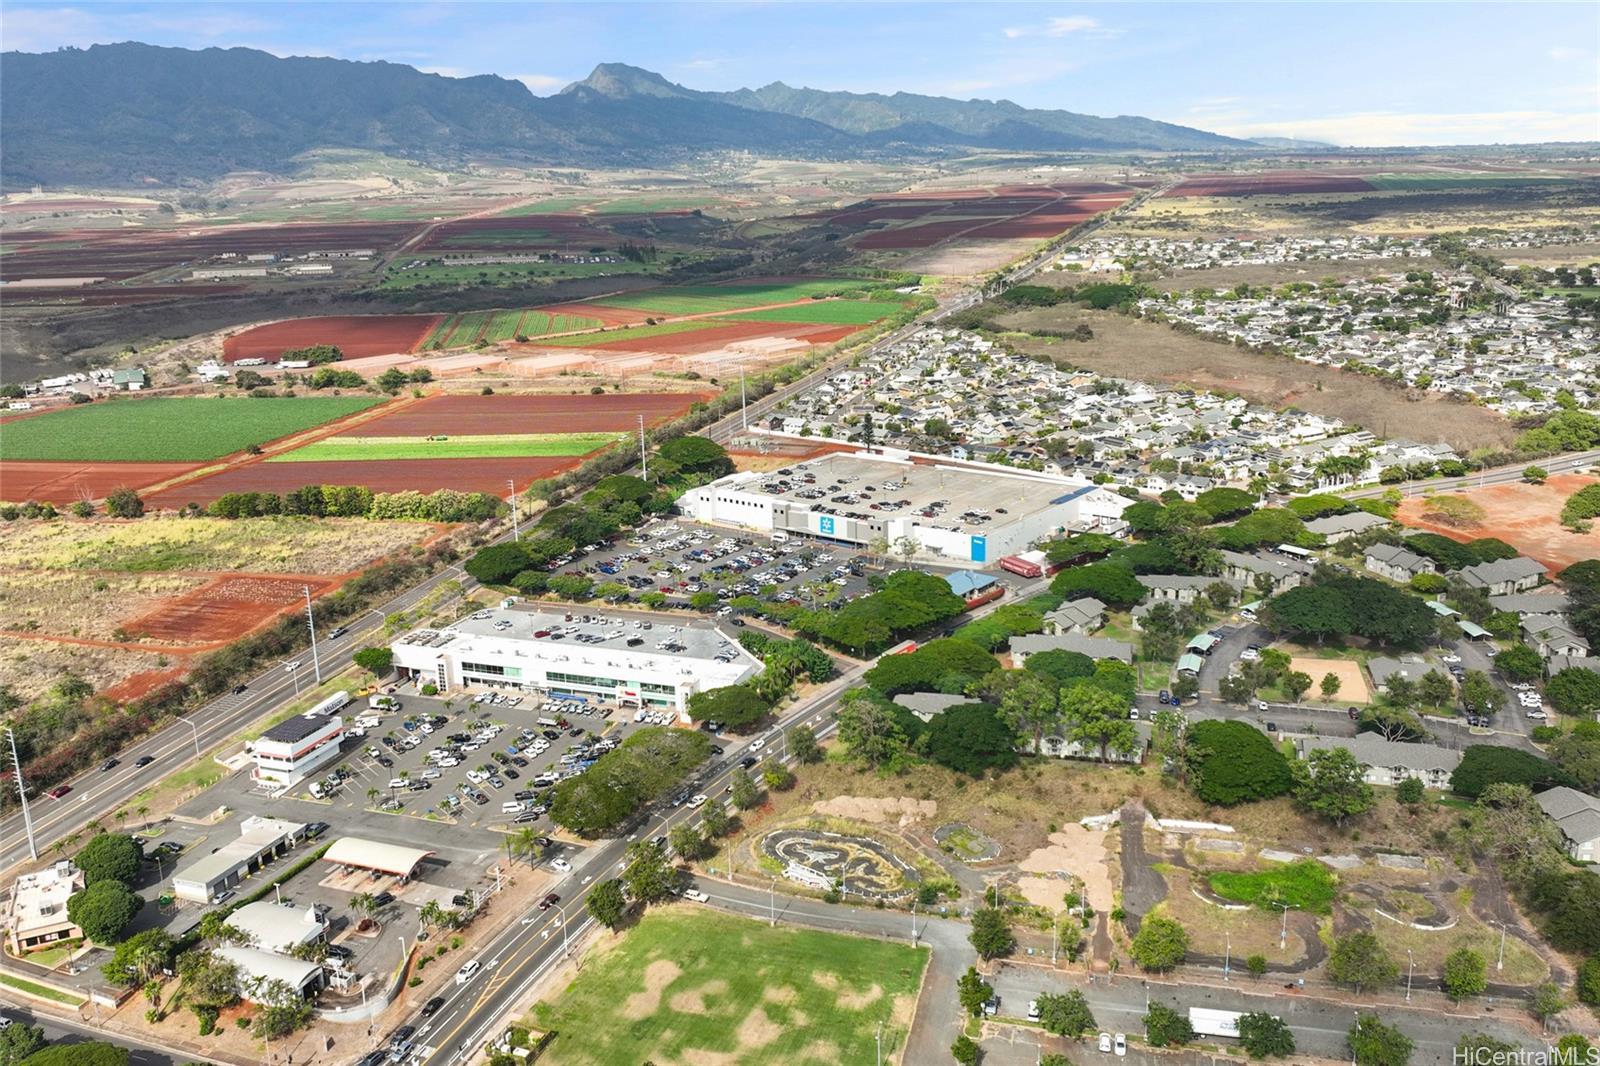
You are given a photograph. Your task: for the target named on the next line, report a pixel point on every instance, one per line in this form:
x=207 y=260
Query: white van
x=383 y=703
x=779 y=536
x=549 y=723
x=511 y=807
x=369 y=721
x=397 y=782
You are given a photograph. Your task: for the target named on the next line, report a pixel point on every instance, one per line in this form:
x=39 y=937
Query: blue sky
x=1352 y=73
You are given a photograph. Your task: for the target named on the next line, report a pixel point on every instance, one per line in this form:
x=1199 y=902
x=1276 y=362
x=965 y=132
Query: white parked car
x=561 y=866
x=1105 y=1041
x=694 y=895
x=1122 y=1044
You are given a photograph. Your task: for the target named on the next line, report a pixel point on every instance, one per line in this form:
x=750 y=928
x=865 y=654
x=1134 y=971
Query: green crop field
x=709 y=299
x=461 y=330
x=555 y=205
x=1306 y=885
x=627 y=333
x=502 y=326
x=502 y=446
x=467 y=328
x=641 y=205
x=826 y=312
x=497 y=275
x=494 y=238
x=696 y=986
x=1422 y=182
x=169 y=429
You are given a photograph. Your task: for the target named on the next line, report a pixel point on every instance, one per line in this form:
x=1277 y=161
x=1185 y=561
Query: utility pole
x=516 y=528
x=22 y=794
x=772 y=902
x=880 y=1044
x=1411 y=968
x=1499 y=964
x=1227 y=955
x=913 y=922
x=644 y=458
x=743 y=421
x=311 y=621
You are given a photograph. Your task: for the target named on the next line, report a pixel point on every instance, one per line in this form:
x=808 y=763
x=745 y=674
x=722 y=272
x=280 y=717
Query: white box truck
x=1206 y=1021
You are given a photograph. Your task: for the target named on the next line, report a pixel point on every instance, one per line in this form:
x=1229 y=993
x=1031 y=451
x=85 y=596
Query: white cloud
x=1376 y=129
x=36 y=29
x=540 y=83
x=446 y=72
x=701 y=64
x=1563 y=53
x=1060 y=27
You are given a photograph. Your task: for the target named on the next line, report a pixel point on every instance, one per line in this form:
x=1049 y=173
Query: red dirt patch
x=355 y=335
x=1266 y=184
x=379 y=475
x=507 y=413
x=228 y=607
x=1527 y=517
x=146 y=682
x=714 y=336
x=67 y=483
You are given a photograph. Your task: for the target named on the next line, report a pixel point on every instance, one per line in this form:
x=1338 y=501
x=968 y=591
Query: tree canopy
x=732 y=705
x=1351 y=606
x=1483 y=765
x=103 y=910
x=971 y=739
x=947 y=665
x=1233 y=762
x=110 y=857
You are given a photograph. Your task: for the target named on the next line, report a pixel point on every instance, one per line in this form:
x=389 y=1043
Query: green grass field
x=505 y=446
x=1305 y=885
x=554 y=205
x=169 y=429
x=826 y=312
x=462 y=330
x=641 y=205
x=627 y=333
x=709 y=299
x=693 y=985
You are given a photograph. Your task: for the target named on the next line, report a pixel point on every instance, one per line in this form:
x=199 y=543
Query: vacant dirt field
x=78 y=603
x=379 y=475
x=507 y=413
x=355 y=335
x=30 y=667
x=1128 y=347
x=225 y=608
x=1552 y=256
x=1527 y=517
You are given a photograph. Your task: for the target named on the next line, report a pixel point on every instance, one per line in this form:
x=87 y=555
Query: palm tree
x=94 y=828
x=372 y=795
x=142 y=810
x=58 y=847
x=432 y=914
x=526 y=837
x=121 y=817
x=364 y=902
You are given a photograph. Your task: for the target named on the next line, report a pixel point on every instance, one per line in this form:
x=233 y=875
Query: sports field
x=506 y=446
x=709 y=299
x=829 y=312
x=696 y=986
x=169 y=429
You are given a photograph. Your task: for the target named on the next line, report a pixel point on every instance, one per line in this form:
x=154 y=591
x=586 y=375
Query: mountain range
x=135 y=114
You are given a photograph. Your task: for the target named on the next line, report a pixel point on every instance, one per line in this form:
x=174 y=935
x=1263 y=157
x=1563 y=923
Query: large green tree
x=1265 y=1035
x=1065 y=1014
x=971 y=739
x=1234 y=762
x=732 y=705
x=1160 y=944
x=1360 y=961
x=1328 y=782
x=103 y=910
x=110 y=857
x=991 y=933
x=1373 y=1043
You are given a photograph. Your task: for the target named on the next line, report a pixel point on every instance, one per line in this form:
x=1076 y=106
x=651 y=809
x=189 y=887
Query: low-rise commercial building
x=260 y=841
x=295 y=749
x=278 y=927
x=36 y=916
x=259 y=969
x=611 y=659
x=969 y=513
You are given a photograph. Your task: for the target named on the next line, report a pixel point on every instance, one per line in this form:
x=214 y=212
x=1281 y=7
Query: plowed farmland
x=66 y=483
x=922 y=219
x=355 y=335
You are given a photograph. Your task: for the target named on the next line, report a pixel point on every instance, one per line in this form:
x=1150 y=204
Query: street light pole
x=1500 y=963
x=22 y=794
x=913 y=922
x=194 y=729
x=516 y=528
x=1411 y=966
x=880 y=1044
x=1283 y=931
x=561 y=916
x=311 y=621
x=1227 y=955
x=644 y=458
x=744 y=423
x=772 y=902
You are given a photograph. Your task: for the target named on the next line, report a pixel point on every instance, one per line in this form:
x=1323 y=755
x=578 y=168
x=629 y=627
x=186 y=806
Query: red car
x=549 y=901
x=59 y=791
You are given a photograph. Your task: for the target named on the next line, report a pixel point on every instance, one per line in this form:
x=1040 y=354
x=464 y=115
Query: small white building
x=260 y=841
x=295 y=749
x=278 y=927
x=36 y=916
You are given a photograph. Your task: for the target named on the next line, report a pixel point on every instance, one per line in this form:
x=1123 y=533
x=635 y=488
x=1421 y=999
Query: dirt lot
x=355 y=335
x=1128 y=347
x=1352 y=682
x=1525 y=516
x=67 y=483
x=78 y=603
x=1551 y=256
x=30 y=667
x=379 y=475
x=503 y=413
x=225 y=608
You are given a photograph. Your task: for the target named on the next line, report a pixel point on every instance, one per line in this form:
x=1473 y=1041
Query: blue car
x=1165 y=697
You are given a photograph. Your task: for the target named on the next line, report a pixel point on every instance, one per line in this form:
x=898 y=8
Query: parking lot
x=678 y=560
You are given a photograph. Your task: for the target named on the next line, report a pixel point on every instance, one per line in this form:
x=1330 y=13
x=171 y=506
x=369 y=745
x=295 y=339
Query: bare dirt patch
x=901 y=810
x=860 y=999
x=1073 y=852
x=1352 y=681
x=1128 y=347
x=693 y=1001
x=1527 y=517
x=757 y=1030
x=226 y=608
x=75 y=603
x=657 y=976
x=30 y=667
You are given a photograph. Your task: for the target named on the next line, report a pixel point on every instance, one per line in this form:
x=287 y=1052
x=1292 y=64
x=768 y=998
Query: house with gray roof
x=1285 y=573
x=1502 y=577
x=1397 y=563
x=1093 y=647
x=1383 y=668
x=1389 y=762
x=1545 y=601
x=1550 y=634
x=927 y=704
x=1577 y=815
x=1061 y=747
x=1337 y=527
x=1179 y=588
x=1076 y=616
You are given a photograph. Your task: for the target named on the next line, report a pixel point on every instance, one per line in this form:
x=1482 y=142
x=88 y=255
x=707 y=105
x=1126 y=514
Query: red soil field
x=1527 y=517
x=543 y=231
x=67 y=483
x=356 y=335
x=611 y=316
x=225 y=609
x=29 y=207
x=127 y=253
x=379 y=475
x=505 y=413
x=1267 y=184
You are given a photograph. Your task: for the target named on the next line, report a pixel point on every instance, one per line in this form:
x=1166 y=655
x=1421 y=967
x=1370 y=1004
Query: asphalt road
x=71 y=1031
x=1499 y=475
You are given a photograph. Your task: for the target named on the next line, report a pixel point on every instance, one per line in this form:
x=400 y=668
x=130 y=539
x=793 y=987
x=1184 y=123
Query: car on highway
x=468 y=972
x=144 y=760
x=694 y=895
x=561 y=866
x=430 y=1008
x=240 y=687
x=109 y=764
x=549 y=901
x=748 y=761
x=59 y=791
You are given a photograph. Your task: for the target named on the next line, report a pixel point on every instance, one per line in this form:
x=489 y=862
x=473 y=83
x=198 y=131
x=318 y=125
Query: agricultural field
x=169 y=429
x=355 y=335
x=825 y=312
x=469 y=415
x=709 y=299
x=467 y=328
x=501 y=446
x=67 y=483
x=445 y=274
x=695 y=986
x=626 y=333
